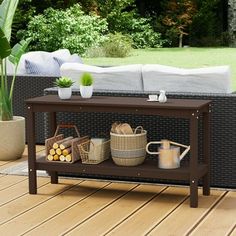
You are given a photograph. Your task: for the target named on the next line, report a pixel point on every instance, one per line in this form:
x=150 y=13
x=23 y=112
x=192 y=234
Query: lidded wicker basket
x=129 y=149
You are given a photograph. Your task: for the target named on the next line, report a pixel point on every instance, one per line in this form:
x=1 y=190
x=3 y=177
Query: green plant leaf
x=18 y=50
x=86 y=79
x=7 y=11
x=63 y=82
x=6 y=106
x=5 y=49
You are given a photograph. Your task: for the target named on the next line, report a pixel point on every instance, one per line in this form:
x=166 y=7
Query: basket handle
x=138 y=128
x=67 y=126
x=82 y=148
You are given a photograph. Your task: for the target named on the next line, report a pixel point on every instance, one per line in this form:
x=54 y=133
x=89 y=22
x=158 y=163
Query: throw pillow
x=39 y=69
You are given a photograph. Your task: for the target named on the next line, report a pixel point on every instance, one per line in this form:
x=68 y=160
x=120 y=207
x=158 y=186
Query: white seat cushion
x=126 y=77
x=215 y=79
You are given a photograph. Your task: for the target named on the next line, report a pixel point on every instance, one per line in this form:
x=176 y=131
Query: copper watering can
x=169 y=155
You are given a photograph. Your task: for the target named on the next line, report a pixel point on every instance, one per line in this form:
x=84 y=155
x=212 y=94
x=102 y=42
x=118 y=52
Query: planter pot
x=86 y=91
x=12 y=142
x=64 y=93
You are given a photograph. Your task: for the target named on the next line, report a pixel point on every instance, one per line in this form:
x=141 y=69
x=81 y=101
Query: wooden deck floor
x=77 y=207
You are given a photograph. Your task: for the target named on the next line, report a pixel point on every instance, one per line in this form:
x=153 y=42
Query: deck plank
x=3 y=163
x=9 y=180
x=21 y=205
x=7 y=164
x=83 y=210
x=184 y=218
x=234 y=231
x=18 y=190
x=49 y=209
x=118 y=211
x=152 y=213
x=221 y=219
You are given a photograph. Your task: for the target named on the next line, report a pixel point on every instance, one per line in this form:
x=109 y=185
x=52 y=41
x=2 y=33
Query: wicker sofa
x=28 y=87
x=223 y=122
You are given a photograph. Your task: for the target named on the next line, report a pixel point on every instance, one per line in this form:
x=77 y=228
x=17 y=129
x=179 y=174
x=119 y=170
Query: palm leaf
x=5 y=49
x=7 y=11
x=18 y=50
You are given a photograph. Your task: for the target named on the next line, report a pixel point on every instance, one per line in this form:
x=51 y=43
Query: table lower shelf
x=148 y=169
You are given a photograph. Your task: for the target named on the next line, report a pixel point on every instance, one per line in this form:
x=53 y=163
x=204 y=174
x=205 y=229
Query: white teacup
x=152 y=97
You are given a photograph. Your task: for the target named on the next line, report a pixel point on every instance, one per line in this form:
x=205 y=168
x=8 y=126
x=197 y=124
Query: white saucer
x=149 y=100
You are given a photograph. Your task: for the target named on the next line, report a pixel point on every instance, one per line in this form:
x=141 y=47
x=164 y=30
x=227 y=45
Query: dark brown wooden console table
x=180 y=108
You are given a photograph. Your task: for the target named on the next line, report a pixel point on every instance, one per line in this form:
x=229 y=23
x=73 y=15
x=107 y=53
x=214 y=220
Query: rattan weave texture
x=29 y=87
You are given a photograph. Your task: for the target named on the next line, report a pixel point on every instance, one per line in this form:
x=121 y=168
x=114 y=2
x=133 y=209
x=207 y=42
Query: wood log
x=56 y=157
x=68 y=158
x=62 y=158
x=52 y=152
x=57 y=143
x=67 y=144
x=58 y=151
x=50 y=157
x=66 y=151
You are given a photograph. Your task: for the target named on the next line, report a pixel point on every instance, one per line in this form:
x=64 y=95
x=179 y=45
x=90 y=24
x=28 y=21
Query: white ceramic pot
x=12 y=141
x=86 y=91
x=64 y=93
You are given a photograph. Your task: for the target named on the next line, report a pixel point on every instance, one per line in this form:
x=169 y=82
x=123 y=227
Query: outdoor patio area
x=86 y=207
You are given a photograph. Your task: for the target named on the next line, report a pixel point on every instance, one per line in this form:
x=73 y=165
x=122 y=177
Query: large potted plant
x=12 y=128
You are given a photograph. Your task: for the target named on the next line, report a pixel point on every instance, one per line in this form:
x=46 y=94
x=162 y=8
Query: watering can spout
x=184 y=153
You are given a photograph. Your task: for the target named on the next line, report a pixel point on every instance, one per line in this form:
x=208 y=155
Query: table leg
x=31 y=151
x=194 y=160
x=53 y=126
x=206 y=153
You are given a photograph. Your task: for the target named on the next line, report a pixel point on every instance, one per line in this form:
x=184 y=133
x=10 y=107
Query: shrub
x=70 y=29
x=143 y=35
x=139 y=30
x=95 y=52
x=117 y=45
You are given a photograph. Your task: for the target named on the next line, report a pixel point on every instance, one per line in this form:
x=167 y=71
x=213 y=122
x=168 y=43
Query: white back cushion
x=215 y=79
x=40 y=63
x=126 y=77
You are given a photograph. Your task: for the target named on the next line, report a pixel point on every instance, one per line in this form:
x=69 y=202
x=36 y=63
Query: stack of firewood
x=61 y=150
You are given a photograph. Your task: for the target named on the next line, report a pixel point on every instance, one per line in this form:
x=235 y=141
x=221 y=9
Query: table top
x=108 y=101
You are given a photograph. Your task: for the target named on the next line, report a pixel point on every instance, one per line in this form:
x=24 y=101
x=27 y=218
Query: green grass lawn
x=179 y=57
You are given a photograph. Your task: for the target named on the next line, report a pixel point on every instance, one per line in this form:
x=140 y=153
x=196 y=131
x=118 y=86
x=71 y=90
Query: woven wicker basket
x=129 y=150
x=94 y=154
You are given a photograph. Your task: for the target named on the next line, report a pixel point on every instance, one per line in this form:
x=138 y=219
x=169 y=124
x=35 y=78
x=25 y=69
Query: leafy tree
x=122 y=16
x=178 y=16
x=207 y=25
x=69 y=28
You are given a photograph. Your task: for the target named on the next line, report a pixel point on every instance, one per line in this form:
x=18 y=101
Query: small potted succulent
x=86 y=85
x=64 y=87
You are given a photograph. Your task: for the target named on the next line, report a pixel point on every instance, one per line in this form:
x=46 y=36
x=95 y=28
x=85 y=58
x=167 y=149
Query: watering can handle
x=184 y=153
x=149 y=145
